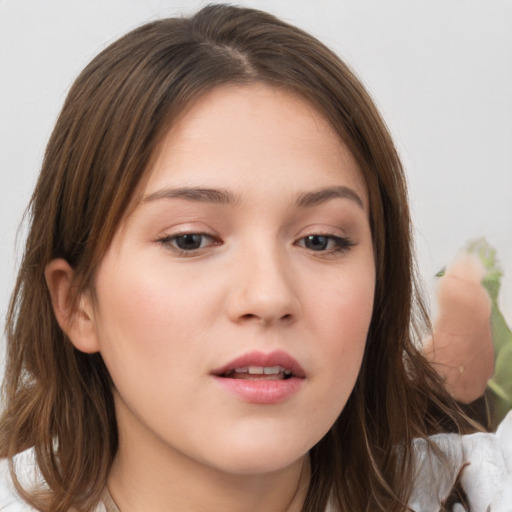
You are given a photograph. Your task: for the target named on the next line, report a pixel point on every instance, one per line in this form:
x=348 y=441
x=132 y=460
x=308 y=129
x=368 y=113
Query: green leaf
x=498 y=390
x=487 y=255
x=503 y=369
x=501 y=333
x=502 y=382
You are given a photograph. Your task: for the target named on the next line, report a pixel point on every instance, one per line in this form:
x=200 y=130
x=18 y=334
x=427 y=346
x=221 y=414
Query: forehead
x=256 y=135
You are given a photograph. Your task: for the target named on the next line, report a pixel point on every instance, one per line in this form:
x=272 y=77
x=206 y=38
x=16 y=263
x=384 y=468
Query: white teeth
x=263 y=370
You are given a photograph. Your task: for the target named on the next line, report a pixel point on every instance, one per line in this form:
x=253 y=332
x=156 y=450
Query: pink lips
x=262 y=391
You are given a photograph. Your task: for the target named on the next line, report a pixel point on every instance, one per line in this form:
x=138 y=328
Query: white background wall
x=440 y=70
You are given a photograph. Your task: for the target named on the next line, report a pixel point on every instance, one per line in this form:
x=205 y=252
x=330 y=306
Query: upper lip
x=257 y=358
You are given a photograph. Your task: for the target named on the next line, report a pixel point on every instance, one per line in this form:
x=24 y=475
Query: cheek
x=342 y=310
x=148 y=318
x=341 y=319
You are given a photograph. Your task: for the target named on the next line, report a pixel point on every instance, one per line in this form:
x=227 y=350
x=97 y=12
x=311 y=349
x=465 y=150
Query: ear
x=75 y=315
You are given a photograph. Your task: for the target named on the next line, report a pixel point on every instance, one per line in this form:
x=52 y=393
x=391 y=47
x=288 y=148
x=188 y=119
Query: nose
x=263 y=289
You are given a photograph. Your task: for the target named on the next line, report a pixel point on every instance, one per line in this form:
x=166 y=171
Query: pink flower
x=460 y=348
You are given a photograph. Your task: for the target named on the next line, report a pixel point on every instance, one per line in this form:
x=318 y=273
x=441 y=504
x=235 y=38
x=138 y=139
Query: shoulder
x=480 y=464
x=26 y=469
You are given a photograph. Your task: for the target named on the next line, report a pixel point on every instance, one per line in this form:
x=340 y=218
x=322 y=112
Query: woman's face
x=234 y=301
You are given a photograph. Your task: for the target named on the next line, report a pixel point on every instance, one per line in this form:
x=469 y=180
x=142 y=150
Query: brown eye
x=188 y=242
x=316 y=242
x=325 y=243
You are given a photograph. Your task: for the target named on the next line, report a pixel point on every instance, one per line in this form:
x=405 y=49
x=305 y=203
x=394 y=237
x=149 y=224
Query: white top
x=486 y=479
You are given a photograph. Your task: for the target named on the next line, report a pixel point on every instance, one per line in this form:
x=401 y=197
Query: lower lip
x=261 y=391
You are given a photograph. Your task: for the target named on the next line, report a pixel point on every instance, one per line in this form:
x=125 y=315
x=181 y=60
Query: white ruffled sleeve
x=484 y=462
x=29 y=475
x=10 y=501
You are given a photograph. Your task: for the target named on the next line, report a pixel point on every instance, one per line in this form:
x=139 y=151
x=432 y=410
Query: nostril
x=266 y=320
x=248 y=316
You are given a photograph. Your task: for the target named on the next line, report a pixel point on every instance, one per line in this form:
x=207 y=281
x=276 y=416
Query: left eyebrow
x=320 y=196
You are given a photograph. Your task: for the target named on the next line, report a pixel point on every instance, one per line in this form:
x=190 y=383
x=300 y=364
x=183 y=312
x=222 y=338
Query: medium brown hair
x=59 y=401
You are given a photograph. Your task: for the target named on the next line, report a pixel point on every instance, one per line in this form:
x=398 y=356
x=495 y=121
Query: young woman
x=214 y=309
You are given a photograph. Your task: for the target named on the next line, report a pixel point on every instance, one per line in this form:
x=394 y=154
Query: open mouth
x=261 y=378
x=277 y=365
x=259 y=366
x=259 y=373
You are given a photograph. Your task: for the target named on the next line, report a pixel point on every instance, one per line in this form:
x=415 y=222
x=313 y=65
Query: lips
x=261 y=378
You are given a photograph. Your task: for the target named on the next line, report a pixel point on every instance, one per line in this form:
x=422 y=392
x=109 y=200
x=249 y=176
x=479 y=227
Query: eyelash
x=339 y=244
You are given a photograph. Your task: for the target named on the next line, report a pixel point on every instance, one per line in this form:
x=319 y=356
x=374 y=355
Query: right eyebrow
x=201 y=195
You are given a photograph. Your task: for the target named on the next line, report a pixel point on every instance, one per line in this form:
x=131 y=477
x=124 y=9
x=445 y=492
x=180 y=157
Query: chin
x=259 y=455
x=263 y=465
x=256 y=445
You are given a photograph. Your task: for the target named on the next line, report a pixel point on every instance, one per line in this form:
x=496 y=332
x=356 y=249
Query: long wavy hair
x=59 y=400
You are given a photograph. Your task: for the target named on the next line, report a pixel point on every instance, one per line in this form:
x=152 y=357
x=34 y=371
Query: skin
x=164 y=319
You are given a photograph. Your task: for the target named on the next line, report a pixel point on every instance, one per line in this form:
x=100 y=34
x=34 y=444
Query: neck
x=199 y=492
x=152 y=476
